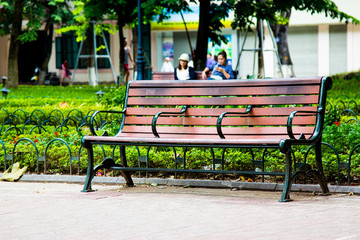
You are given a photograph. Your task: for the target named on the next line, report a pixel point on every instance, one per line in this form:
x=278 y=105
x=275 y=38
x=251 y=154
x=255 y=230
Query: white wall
x=351 y=7
x=323 y=50
x=353 y=48
x=337 y=49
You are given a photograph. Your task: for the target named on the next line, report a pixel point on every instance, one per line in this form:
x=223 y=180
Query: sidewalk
x=31 y=210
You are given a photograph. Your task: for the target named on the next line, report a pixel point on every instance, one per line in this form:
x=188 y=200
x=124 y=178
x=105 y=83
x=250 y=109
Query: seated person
x=220 y=69
x=183 y=71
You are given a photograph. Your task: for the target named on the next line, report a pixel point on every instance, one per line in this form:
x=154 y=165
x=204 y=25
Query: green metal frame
x=155 y=118
x=220 y=118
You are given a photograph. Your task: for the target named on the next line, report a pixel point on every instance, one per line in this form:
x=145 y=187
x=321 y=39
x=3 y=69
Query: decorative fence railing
x=21 y=122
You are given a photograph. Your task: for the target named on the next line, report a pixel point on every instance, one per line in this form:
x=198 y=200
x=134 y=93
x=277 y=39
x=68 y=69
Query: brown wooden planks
x=213 y=130
x=220 y=91
x=215 y=112
x=211 y=121
x=220 y=101
x=226 y=83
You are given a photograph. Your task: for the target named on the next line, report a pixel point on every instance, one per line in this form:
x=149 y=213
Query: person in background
x=167 y=66
x=215 y=58
x=66 y=72
x=126 y=61
x=183 y=71
x=192 y=57
x=210 y=60
x=220 y=70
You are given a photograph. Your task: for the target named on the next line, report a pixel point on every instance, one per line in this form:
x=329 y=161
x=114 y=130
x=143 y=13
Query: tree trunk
x=280 y=34
x=91 y=52
x=261 y=72
x=13 y=70
x=121 y=51
x=202 y=35
x=49 y=32
x=135 y=47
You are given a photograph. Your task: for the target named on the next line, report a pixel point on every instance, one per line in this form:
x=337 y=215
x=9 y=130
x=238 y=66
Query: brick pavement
x=61 y=211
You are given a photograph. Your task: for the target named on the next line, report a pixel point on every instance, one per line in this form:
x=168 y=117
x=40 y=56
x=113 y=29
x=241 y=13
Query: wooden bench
x=170 y=75
x=257 y=113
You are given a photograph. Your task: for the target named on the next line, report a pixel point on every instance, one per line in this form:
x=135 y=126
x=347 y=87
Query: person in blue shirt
x=210 y=60
x=220 y=69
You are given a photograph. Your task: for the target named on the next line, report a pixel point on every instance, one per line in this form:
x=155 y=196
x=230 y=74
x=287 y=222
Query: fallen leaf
x=63 y=104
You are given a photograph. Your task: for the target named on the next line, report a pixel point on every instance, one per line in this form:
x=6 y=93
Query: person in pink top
x=66 y=72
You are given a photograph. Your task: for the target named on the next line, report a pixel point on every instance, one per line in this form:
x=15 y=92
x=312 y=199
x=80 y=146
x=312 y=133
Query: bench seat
x=140 y=139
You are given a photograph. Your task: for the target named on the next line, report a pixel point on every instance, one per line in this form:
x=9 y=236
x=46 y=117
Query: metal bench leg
x=285 y=197
x=126 y=174
x=320 y=170
x=90 y=171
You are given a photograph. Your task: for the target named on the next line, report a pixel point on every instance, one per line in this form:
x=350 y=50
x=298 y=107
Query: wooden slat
x=188 y=138
x=211 y=121
x=213 y=130
x=226 y=91
x=206 y=136
x=199 y=136
x=215 y=112
x=226 y=83
x=216 y=101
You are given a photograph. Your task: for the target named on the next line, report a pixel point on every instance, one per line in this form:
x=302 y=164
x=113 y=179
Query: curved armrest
x=155 y=118
x=93 y=117
x=290 y=119
x=221 y=117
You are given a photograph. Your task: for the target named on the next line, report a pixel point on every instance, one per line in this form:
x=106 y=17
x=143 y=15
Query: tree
x=13 y=13
x=278 y=11
x=56 y=12
x=210 y=16
x=36 y=12
x=124 y=12
x=281 y=32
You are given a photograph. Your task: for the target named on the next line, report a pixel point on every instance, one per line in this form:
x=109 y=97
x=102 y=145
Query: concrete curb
x=190 y=182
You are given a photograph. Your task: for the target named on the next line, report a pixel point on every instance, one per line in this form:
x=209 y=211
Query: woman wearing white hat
x=183 y=71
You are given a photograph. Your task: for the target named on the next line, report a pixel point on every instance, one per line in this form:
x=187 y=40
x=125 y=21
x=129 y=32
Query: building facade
x=318 y=46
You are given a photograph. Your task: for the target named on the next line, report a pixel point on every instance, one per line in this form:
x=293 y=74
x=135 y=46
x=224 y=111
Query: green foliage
x=73 y=93
x=344 y=84
x=6 y=17
x=245 y=12
x=343 y=137
x=36 y=13
x=331 y=116
x=218 y=11
x=115 y=97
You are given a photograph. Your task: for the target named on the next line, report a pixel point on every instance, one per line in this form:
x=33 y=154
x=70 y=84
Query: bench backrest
x=170 y=75
x=272 y=100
